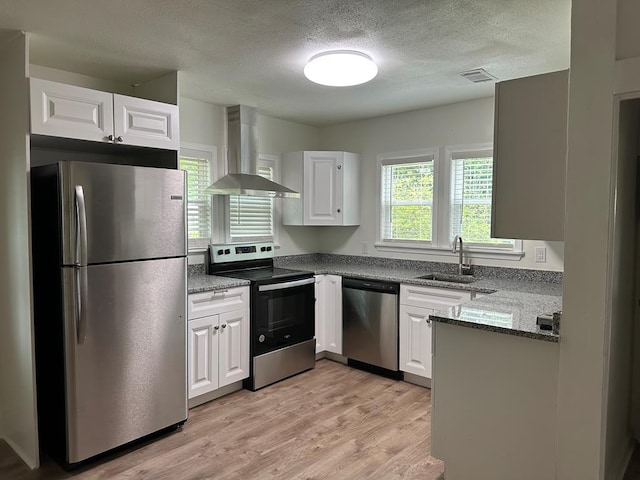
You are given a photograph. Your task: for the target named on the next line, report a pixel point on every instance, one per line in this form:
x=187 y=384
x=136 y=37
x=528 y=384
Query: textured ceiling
x=253 y=51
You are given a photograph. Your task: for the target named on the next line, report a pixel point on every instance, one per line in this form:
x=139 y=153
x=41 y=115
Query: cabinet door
x=234 y=347
x=432 y=297
x=145 y=123
x=415 y=340
x=323 y=184
x=320 y=309
x=203 y=355
x=530 y=148
x=333 y=313
x=68 y=111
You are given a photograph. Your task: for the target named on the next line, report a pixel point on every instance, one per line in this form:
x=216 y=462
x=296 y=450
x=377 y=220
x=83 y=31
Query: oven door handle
x=282 y=286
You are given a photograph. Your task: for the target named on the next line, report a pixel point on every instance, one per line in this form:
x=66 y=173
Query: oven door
x=282 y=314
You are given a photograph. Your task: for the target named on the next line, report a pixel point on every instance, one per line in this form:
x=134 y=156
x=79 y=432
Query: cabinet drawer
x=432 y=297
x=213 y=303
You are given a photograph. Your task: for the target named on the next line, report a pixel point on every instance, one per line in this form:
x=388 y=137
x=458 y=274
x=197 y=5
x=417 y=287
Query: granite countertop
x=511 y=304
x=504 y=311
x=200 y=282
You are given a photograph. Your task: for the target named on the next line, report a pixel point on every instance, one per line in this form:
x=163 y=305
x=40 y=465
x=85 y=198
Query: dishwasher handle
x=371 y=285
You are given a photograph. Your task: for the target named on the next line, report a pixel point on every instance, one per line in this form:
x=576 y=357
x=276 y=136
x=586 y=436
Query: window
x=425 y=202
x=407 y=197
x=198 y=161
x=471 y=197
x=252 y=218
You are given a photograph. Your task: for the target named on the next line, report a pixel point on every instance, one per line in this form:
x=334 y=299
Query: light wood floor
x=333 y=422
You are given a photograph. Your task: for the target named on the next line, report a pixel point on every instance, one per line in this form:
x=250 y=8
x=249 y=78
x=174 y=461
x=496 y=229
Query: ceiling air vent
x=478 y=76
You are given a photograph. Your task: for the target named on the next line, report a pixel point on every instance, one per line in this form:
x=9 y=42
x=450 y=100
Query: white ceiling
x=252 y=52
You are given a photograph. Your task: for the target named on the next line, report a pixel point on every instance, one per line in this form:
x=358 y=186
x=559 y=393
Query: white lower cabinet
x=203 y=348
x=329 y=314
x=415 y=340
x=415 y=329
x=218 y=349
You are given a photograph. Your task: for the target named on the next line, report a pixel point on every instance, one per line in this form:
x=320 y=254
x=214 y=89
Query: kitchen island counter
x=507 y=302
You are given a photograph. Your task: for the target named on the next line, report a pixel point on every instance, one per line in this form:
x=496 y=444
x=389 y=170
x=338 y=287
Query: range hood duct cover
x=242 y=160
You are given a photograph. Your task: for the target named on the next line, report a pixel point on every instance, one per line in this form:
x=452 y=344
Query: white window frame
x=399 y=158
x=440 y=243
x=199 y=150
x=452 y=152
x=274 y=162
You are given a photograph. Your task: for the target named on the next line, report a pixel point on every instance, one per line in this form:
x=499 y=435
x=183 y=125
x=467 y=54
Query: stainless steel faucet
x=462 y=268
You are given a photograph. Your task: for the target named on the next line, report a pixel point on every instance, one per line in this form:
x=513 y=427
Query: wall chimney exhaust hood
x=242 y=160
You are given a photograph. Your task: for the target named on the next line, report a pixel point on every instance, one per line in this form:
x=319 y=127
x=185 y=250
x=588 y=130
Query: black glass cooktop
x=262 y=274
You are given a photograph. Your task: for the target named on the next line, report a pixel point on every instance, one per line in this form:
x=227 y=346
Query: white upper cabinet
x=329 y=184
x=67 y=111
x=145 y=123
x=530 y=149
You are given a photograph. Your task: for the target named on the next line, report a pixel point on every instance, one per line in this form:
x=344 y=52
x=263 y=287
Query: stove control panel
x=237 y=252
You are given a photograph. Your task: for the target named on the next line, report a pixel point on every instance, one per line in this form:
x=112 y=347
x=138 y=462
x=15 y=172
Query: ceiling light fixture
x=340 y=68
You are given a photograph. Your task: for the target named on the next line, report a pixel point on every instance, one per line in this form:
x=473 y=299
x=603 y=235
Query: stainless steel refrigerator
x=109 y=269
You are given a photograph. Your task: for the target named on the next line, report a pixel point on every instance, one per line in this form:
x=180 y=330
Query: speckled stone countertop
x=510 y=312
x=516 y=297
x=201 y=282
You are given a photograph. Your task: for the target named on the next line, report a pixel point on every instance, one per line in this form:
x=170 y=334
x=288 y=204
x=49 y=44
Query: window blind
x=251 y=218
x=471 y=196
x=407 y=200
x=198 y=202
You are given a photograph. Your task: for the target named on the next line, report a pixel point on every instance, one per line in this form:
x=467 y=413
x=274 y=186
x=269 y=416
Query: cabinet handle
x=216 y=327
x=224 y=325
x=339 y=167
x=120 y=139
x=338 y=210
x=428 y=321
x=110 y=138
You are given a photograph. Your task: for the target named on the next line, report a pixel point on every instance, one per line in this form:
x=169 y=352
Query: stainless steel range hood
x=242 y=160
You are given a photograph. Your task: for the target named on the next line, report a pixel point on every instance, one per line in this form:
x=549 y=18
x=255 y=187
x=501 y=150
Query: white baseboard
x=220 y=392
x=32 y=463
x=417 y=380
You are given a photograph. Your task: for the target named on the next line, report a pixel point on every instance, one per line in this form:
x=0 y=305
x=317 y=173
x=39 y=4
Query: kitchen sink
x=446 y=277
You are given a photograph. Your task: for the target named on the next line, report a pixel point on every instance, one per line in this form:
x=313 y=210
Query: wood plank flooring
x=333 y=422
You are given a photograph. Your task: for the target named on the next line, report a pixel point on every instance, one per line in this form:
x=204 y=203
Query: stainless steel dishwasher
x=370 y=322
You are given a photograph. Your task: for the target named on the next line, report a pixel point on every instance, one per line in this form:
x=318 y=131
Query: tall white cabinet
x=415 y=329
x=329 y=314
x=529 y=156
x=329 y=183
x=218 y=341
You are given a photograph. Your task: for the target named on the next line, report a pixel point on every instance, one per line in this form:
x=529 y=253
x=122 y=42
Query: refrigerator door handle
x=81 y=227
x=82 y=287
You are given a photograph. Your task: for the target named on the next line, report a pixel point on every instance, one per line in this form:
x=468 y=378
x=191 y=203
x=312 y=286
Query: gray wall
x=463 y=123
x=17 y=373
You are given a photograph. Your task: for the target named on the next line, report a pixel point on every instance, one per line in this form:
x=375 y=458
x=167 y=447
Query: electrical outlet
x=365 y=248
x=541 y=255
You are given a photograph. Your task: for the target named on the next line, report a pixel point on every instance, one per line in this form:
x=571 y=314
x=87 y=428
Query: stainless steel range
x=282 y=311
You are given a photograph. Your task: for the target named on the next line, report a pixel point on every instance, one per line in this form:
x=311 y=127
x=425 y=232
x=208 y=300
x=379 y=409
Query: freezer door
x=130 y=213
x=126 y=373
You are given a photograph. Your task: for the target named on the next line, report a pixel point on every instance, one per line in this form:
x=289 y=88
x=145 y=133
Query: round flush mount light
x=341 y=68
